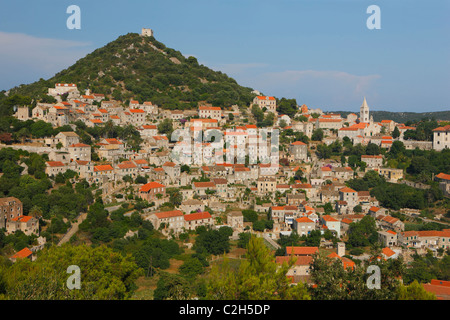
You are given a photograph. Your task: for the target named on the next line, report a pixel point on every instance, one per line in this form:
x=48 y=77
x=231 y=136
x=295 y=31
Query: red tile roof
x=151 y=185
x=136 y=111
x=265 y=98
x=126 y=165
x=299 y=261
x=55 y=164
x=298 y=143
x=304 y=220
x=442 y=291
x=388 y=252
x=347 y=263
x=301 y=250
x=197 y=216
x=104 y=167
x=329 y=218
x=149 y=126
x=24 y=253
x=204 y=184
x=169 y=214
x=113 y=141
x=141 y=161
x=210 y=108
x=446 y=128
x=329 y=120
x=347 y=190
x=443 y=176
x=22 y=218
x=79 y=145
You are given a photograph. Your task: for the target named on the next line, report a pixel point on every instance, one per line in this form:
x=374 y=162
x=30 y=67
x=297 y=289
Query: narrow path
x=73 y=229
x=272 y=243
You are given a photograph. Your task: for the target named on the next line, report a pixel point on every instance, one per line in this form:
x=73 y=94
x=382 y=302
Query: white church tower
x=364 y=112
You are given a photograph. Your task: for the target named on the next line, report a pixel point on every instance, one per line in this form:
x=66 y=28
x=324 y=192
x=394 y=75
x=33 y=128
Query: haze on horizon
x=318 y=52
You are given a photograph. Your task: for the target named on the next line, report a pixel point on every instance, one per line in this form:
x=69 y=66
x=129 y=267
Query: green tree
x=105 y=274
x=172 y=287
x=362 y=233
x=333 y=282
x=317 y=135
x=166 y=127
x=191 y=268
x=257 y=278
x=244 y=238
x=185 y=168
x=373 y=149
x=257 y=113
x=212 y=242
x=250 y=215
x=141 y=180
x=414 y=291
x=397 y=148
x=324 y=151
x=395 y=133
x=287 y=106
x=259 y=225
x=176 y=198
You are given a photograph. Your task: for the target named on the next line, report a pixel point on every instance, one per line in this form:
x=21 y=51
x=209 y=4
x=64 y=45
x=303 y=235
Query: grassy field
x=146 y=286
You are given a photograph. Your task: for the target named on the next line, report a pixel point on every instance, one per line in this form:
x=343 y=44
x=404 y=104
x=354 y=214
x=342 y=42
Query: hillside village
x=308 y=195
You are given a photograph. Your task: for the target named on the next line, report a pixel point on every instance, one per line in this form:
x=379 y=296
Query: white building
x=266 y=102
x=441 y=138
x=210 y=112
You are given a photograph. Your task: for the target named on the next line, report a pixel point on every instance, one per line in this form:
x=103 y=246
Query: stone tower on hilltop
x=147 y=32
x=364 y=112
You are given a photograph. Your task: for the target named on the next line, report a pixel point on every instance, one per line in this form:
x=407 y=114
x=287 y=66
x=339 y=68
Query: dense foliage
x=333 y=282
x=257 y=278
x=104 y=275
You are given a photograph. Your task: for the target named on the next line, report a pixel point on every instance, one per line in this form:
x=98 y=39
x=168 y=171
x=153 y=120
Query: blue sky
x=317 y=51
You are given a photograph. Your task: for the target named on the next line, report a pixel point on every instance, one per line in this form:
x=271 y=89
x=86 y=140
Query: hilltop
x=144 y=69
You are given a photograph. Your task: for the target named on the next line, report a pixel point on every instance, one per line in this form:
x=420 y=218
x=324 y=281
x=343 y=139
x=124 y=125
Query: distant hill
x=142 y=68
x=402 y=117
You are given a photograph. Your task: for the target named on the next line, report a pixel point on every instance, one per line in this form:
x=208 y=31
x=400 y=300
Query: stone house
x=194 y=220
x=150 y=191
x=10 y=208
x=167 y=220
x=27 y=224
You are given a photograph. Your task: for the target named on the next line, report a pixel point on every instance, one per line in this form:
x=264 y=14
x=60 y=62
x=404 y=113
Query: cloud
x=322 y=88
x=25 y=58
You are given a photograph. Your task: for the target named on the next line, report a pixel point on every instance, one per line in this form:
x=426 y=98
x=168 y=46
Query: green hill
x=142 y=68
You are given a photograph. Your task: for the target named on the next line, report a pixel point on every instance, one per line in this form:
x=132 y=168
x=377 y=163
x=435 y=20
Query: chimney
x=341 y=249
